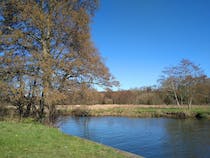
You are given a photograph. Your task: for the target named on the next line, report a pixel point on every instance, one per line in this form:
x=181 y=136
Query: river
x=148 y=137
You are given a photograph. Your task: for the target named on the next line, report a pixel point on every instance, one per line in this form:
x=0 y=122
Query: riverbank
x=34 y=140
x=170 y=111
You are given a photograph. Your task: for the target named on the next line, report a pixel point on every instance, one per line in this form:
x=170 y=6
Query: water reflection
x=150 y=137
x=189 y=137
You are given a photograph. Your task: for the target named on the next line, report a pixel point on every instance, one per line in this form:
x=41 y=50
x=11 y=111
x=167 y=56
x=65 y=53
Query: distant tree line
x=145 y=95
x=184 y=84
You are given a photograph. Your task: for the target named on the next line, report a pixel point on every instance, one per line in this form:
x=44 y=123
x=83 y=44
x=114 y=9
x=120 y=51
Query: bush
x=80 y=112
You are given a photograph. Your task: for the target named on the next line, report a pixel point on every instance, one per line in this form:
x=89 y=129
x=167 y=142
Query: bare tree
x=170 y=82
x=182 y=81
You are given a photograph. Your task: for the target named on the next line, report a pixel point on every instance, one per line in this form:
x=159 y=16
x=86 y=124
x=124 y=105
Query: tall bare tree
x=182 y=81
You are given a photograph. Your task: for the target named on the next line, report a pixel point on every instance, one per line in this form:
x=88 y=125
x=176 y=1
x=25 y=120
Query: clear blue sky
x=138 y=38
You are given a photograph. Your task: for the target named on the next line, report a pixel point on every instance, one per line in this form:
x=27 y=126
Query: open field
x=108 y=106
x=173 y=111
x=32 y=140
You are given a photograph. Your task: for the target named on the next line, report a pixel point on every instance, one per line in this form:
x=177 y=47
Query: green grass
x=31 y=140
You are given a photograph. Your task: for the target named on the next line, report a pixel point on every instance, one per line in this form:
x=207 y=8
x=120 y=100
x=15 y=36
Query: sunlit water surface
x=148 y=137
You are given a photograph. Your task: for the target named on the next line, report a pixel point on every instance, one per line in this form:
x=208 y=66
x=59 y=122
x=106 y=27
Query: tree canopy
x=46 y=52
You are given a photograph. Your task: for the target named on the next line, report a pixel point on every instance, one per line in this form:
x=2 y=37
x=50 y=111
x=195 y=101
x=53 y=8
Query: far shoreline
x=141 y=111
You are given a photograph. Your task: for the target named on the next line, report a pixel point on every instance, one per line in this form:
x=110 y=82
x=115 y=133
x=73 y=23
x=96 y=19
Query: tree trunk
x=190 y=103
x=31 y=101
x=175 y=94
x=20 y=109
x=20 y=101
x=28 y=110
x=41 y=107
x=52 y=114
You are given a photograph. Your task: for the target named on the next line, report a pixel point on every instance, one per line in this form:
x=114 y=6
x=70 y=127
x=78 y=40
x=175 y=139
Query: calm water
x=149 y=137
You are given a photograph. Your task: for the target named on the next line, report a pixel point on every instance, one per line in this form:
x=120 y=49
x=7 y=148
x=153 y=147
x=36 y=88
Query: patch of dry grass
x=173 y=111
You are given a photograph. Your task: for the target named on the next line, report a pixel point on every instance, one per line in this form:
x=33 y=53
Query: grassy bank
x=31 y=140
x=139 y=111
